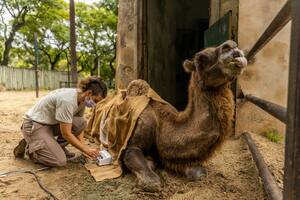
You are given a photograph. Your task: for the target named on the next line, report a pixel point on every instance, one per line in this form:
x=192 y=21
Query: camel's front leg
x=136 y=162
x=195 y=173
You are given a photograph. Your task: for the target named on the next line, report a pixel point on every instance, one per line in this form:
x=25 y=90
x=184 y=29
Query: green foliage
x=96 y=26
x=273 y=136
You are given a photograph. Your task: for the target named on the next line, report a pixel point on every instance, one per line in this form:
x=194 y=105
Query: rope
x=32 y=172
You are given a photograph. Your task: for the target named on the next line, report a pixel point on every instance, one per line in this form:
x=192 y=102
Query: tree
x=96 y=31
x=96 y=37
x=19 y=11
x=52 y=30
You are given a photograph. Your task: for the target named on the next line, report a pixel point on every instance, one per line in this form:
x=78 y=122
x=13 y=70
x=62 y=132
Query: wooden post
x=292 y=146
x=36 y=66
x=73 y=42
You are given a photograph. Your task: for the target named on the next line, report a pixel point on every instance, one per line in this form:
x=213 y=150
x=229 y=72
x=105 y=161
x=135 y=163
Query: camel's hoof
x=150 y=184
x=195 y=173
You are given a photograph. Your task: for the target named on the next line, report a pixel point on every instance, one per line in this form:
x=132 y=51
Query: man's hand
x=67 y=134
x=92 y=153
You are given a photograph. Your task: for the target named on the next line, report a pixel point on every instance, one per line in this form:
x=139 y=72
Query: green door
x=219 y=32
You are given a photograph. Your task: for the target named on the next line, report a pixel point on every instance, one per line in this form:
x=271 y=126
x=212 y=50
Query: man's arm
x=67 y=134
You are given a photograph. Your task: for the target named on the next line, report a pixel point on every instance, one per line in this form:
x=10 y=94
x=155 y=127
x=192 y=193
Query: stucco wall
x=267 y=77
x=126 y=70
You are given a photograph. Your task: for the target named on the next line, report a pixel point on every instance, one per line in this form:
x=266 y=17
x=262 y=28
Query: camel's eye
x=226 y=48
x=202 y=59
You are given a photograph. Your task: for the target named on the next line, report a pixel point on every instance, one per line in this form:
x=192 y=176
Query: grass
x=273 y=136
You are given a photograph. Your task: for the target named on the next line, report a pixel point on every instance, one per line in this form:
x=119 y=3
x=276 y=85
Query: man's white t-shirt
x=60 y=105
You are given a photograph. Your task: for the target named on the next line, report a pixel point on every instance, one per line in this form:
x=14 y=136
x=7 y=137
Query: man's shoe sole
x=19 y=151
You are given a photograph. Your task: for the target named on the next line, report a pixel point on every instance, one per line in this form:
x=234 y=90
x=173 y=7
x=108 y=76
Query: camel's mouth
x=234 y=56
x=241 y=62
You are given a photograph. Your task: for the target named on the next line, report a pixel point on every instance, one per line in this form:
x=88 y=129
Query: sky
x=85 y=1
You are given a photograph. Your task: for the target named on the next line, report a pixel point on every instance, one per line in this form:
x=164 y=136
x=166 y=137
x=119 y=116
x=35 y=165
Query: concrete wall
x=267 y=77
x=214 y=11
x=126 y=70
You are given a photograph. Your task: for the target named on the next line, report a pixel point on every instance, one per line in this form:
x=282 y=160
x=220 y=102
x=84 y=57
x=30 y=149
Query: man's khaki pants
x=42 y=146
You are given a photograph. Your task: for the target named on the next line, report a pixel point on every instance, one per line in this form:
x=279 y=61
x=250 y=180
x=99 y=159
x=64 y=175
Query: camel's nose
x=228 y=45
x=237 y=53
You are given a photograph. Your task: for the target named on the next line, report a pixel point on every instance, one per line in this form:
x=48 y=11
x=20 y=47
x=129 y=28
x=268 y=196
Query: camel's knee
x=195 y=173
x=133 y=158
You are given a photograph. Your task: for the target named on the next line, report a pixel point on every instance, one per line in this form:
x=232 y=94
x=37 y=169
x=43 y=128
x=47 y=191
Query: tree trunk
x=55 y=61
x=96 y=65
x=73 y=41
x=8 y=43
x=7 y=48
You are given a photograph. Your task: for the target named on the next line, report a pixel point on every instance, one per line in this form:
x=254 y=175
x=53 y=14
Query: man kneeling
x=57 y=120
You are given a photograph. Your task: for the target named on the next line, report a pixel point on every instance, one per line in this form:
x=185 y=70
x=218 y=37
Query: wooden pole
x=292 y=145
x=36 y=66
x=270 y=184
x=73 y=42
x=277 y=111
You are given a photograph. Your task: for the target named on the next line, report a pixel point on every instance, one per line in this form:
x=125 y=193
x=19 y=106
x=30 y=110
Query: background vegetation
x=95 y=29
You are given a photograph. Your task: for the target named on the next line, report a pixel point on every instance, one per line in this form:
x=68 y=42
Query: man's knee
x=60 y=162
x=51 y=161
x=78 y=125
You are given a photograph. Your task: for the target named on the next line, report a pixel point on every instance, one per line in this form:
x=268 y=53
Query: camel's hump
x=137 y=88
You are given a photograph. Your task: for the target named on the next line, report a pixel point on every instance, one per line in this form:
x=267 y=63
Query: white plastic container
x=104 y=158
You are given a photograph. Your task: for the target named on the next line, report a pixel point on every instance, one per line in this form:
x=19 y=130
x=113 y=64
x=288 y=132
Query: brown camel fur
x=183 y=140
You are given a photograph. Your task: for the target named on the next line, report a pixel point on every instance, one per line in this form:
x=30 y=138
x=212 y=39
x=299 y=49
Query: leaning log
x=277 y=111
x=270 y=184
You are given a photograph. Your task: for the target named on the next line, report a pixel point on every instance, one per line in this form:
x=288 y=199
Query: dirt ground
x=232 y=172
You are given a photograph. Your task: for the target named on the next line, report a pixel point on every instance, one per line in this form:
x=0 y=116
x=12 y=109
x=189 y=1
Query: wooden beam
x=270 y=184
x=277 y=111
x=292 y=146
x=281 y=19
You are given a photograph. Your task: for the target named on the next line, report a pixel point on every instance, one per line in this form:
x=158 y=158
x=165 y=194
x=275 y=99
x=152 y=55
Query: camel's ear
x=189 y=66
x=203 y=58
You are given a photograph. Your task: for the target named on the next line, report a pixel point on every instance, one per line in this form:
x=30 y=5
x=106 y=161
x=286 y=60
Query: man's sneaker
x=69 y=154
x=19 y=150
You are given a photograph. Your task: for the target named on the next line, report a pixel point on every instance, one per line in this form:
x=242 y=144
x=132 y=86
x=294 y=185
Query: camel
x=183 y=140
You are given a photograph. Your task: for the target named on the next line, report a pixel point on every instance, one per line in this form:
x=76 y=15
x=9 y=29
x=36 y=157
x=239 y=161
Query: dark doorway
x=188 y=42
x=175 y=32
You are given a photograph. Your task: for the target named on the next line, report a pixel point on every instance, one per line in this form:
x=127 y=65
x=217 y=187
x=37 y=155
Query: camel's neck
x=197 y=131
x=218 y=104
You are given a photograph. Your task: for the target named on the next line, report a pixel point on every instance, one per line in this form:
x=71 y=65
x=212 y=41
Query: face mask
x=89 y=103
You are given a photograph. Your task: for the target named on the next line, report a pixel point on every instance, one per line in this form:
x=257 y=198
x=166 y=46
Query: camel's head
x=216 y=66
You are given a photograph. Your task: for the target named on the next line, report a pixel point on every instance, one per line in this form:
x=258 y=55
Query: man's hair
x=95 y=84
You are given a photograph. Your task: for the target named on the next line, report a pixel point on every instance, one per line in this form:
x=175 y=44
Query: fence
x=290 y=115
x=19 y=79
